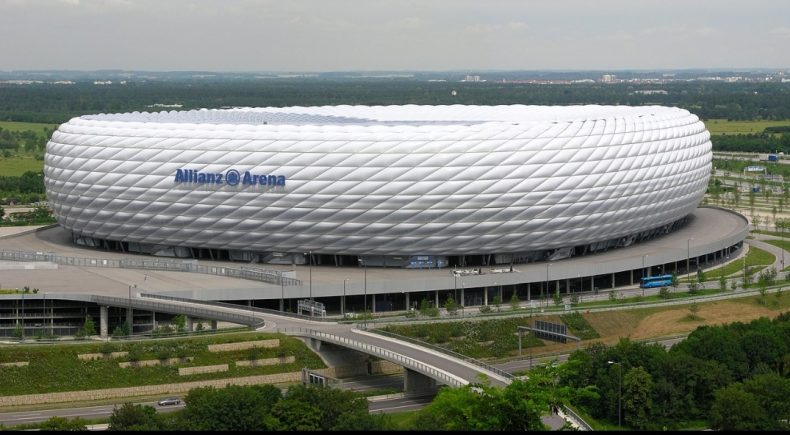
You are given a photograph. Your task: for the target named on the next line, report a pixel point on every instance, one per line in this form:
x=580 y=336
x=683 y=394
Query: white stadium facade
x=402 y=186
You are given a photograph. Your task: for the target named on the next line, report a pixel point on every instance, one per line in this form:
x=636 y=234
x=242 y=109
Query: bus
x=656 y=281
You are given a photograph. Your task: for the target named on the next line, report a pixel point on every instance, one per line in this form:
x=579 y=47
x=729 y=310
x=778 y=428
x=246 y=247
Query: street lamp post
x=365 y=299
x=310 y=265
x=547 y=284
x=619 y=392
x=343 y=302
x=643 y=274
x=688 y=259
x=282 y=295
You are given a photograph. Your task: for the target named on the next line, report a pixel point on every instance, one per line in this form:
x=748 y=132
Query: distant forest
x=49 y=103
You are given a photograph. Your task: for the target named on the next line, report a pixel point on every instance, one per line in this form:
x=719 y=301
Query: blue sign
x=231 y=177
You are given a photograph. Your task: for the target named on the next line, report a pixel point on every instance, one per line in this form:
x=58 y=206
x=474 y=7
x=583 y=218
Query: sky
x=390 y=35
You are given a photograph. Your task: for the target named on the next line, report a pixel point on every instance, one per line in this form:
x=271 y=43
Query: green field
x=722 y=126
x=57 y=368
x=24 y=126
x=18 y=165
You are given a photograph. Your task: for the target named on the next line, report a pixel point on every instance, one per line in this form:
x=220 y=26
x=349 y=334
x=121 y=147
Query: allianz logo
x=231 y=177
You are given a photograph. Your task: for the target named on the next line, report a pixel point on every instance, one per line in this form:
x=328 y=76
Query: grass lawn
x=485 y=339
x=25 y=126
x=723 y=126
x=18 y=165
x=755 y=257
x=57 y=368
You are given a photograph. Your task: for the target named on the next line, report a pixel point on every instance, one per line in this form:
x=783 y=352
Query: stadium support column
x=103 y=320
x=612 y=280
x=568 y=286
x=189 y=323
x=592 y=283
x=436 y=297
x=485 y=295
x=632 y=276
x=373 y=302
x=529 y=291
x=407 y=301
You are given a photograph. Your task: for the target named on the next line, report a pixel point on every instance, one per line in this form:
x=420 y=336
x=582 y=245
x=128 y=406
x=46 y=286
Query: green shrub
x=663 y=293
x=485 y=309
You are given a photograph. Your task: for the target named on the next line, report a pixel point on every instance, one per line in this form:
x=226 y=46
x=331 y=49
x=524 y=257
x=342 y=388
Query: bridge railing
x=263 y=275
x=583 y=425
x=197 y=312
x=237 y=307
x=462 y=357
x=389 y=355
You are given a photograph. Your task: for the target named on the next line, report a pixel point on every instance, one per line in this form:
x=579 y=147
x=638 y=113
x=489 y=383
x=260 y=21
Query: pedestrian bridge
x=425 y=367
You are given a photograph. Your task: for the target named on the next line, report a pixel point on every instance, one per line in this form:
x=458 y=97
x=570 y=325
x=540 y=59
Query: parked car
x=170 y=401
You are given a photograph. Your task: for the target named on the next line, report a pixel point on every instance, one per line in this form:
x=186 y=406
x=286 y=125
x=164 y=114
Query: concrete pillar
x=214 y=325
x=282 y=304
x=103 y=321
x=568 y=286
x=414 y=382
x=373 y=301
x=485 y=295
x=130 y=318
x=436 y=298
x=189 y=326
x=463 y=300
x=632 y=276
x=592 y=283
x=612 y=279
x=153 y=319
x=557 y=286
x=529 y=291
x=406 y=303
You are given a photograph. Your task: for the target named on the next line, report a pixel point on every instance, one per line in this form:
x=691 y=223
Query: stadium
x=401 y=186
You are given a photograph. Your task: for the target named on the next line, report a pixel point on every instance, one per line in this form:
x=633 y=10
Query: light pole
x=643 y=274
x=688 y=259
x=282 y=295
x=310 y=265
x=365 y=300
x=547 y=284
x=343 y=302
x=619 y=392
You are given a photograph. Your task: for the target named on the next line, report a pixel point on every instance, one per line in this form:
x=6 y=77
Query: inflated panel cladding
x=381 y=180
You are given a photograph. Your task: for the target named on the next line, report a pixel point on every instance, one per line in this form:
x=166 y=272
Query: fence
x=583 y=425
x=180 y=308
x=389 y=355
x=263 y=275
x=237 y=307
x=449 y=352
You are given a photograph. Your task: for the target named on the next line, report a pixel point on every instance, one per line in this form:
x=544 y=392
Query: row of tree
x=733 y=376
x=56 y=104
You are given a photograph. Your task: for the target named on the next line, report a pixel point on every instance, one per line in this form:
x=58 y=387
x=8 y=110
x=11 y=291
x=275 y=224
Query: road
x=359 y=384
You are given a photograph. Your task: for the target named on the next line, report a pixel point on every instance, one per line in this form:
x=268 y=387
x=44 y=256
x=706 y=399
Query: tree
x=517 y=407
x=133 y=417
x=497 y=301
x=18 y=333
x=736 y=409
x=312 y=407
x=121 y=330
x=514 y=302
x=88 y=328
x=450 y=305
x=63 y=424
x=637 y=401
x=180 y=322
x=557 y=298
x=674 y=280
x=722 y=282
x=663 y=293
x=693 y=286
x=693 y=310
x=234 y=408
